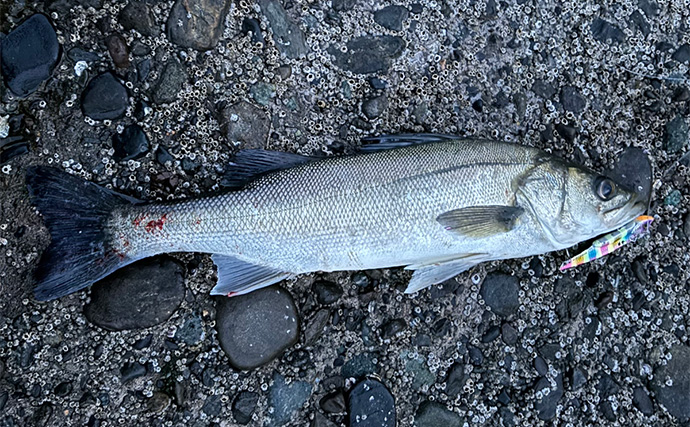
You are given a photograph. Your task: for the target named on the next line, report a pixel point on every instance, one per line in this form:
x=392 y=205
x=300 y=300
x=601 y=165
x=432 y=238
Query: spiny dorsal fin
x=480 y=221
x=250 y=164
x=388 y=142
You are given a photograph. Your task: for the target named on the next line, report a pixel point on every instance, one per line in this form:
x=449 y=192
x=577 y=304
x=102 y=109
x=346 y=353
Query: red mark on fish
x=137 y=221
x=154 y=225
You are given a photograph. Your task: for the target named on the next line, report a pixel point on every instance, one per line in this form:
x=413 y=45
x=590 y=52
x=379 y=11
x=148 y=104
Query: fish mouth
x=633 y=208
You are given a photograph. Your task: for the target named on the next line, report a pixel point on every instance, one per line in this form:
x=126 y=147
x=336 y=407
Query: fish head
x=573 y=203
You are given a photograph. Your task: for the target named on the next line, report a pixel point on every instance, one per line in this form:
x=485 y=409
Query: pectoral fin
x=237 y=277
x=480 y=221
x=432 y=274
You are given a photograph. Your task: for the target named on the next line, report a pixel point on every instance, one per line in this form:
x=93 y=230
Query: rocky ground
x=152 y=99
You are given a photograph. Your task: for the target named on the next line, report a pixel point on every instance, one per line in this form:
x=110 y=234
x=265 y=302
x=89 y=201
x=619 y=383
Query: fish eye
x=604 y=188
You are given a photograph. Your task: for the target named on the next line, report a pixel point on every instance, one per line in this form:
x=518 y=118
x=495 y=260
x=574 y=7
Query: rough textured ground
x=507 y=343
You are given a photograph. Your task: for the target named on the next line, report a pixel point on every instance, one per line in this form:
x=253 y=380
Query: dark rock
x=682 y=54
x=681 y=94
x=191 y=332
x=137 y=16
x=649 y=7
x=287 y=34
x=378 y=83
x=359 y=366
x=374 y=107
x=478 y=105
x=369 y=54
x=540 y=366
x=566 y=132
x=132 y=370
x=504 y=398
x=253 y=27
x=391 y=17
x=326 y=292
x=546 y=405
x=244 y=406
x=132 y=143
x=29 y=54
x=286 y=399
x=500 y=292
x=634 y=169
x=577 y=379
x=4 y=397
x=434 y=414
x=63 y=389
x=262 y=93
x=676 y=136
x=212 y=406
x=491 y=334
x=43 y=414
x=371 y=404
x=639 y=22
x=509 y=334
x=143 y=343
x=119 y=52
x=321 y=421
x=141 y=295
x=456 y=379
x=642 y=401
x=246 y=123
x=197 y=24
x=341 y=5
x=333 y=403
x=105 y=98
x=686 y=226
x=392 y=327
x=607 y=410
x=606 y=32
x=314 y=328
x=143 y=70
x=158 y=403
x=676 y=396
x=360 y=279
x=274 y=322
x=163 y=156
x=169 y=83
x=572 y=100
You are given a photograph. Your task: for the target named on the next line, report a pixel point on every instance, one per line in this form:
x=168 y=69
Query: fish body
x=437 y=207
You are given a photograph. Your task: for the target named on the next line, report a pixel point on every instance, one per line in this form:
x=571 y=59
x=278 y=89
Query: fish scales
x=368 y=211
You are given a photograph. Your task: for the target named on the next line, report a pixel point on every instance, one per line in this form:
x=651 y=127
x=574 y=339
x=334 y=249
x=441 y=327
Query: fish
x=603 y=246
x=434 y=204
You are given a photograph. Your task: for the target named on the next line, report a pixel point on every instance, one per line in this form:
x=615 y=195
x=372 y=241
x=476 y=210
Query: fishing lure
x=628 y=233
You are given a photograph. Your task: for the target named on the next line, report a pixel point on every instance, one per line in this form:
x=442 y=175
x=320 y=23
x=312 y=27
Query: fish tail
x=75 y=212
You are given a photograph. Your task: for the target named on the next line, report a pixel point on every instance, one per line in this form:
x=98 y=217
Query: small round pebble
x=371 y=405
x=105 y=98
x=244 y=406
x=671 y=383
x=434 y=414
x=500 y=292
x=132 y=143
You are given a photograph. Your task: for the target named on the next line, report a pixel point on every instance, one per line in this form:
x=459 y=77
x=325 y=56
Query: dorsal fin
x=250 y=164
x=388 y=142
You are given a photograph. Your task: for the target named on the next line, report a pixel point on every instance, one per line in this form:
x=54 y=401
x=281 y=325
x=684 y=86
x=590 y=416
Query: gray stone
x=434 y=414
x=374 y=107
x=191 y=332
x=132 y=143
x=246 y=123
x=255 y=328
x=138 y=296
x=169 y=83
x=369 y=54
x=634 y=169
x=546 y=405
x=671 y=383
x=244 y=406
x=197 y=24
x=572 y=100
x=642 y=401
x=286 y=399
x=29 y=54
x=359 y=366
x=682 y=54
x=287 y=35
x=104 y=98
x=676 y=135
x=606 y=32
x=371 y=404
x=263 y=92
x=137 y=16
x=391 y=17
x=500 y=292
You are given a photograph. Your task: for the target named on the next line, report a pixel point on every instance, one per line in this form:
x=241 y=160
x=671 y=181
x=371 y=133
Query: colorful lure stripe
x=612 y=241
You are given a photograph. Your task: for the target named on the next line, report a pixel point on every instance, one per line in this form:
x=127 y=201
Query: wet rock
x=333 y=403
x=577 y=379
x=682 y=54
x=434 y=414
x=419 y=370
x=158 y=403
x=287 y=34
x=606 y=32
x=391 y=17
x=244 y=406
x=475 y=355
x=251 y=26
x=212 y=406
x=104 y=98
x=635 y=170
x=456 y=379
x=119 y=52
x=572 y=100
x=29 y=54
x=138 y=296
x=566 y=132
x=132 y=370
x=371 y=404
x=374 y=107
x=169 y=83
x=642 y=401
x=359 y=366
x=63 y=389
x=197 y=24
x=137 y=16
x=262 y=93
x=191 y=332
x=315 y=326
x=639 y=22
x=369 y=54
x=676 y=136
x=673 y=198
x=546 y=405
x=686 y=226
x=286 y=399
x=681 y=94
x=649 y=7
x=671 y=383
x=543 y=89
x=321 y=421
x=132 y=143
x=246 y=123
x=392 y=327
x=509 y=334
x=491 y=334
x=326 y=292
x=500 y=292
x=274 y=322
x=163 y=156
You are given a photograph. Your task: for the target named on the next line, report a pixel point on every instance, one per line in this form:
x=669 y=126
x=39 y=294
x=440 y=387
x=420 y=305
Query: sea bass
x=435 y=204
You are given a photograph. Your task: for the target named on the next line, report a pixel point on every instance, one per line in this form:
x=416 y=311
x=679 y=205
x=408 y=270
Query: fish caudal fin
x=75 y=212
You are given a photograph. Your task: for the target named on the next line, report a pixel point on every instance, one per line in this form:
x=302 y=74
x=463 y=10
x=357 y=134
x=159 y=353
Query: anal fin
x=435 y=273
x=237 y=277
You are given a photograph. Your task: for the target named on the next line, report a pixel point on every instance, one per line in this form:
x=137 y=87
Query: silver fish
x=434 y=204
